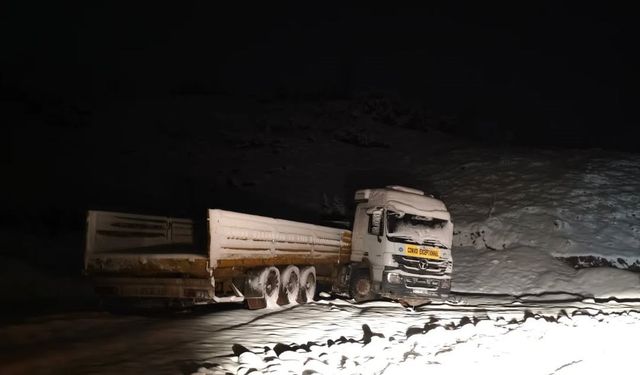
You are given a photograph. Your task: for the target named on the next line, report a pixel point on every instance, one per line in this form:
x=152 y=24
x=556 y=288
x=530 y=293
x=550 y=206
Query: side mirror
x=376 y=222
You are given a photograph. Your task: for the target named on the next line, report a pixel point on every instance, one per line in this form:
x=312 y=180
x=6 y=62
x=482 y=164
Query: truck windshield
x=403 y=227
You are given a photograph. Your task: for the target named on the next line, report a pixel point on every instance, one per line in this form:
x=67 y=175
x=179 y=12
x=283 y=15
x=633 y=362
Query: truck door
x=374 y=241
x=360 y=223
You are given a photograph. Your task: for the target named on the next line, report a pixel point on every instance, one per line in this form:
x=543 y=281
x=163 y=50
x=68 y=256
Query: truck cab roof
x=403 y=199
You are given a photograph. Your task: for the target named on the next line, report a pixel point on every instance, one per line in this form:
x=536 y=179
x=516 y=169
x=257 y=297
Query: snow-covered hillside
x=565 y=203
x=519 y=211
x=519 y=208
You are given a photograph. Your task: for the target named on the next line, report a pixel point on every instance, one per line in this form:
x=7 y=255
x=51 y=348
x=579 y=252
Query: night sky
x=547 y=74
x=544 y=75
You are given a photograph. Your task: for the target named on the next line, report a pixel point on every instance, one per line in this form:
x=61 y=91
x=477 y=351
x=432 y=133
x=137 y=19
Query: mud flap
x=252 y=288
x=256 y=303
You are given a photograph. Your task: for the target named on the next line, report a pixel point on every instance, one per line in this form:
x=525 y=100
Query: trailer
x=261 y=260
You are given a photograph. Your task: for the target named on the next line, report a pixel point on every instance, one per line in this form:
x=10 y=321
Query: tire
x=360 y=286
x=270 y=284
x=307 y=284
x=290 y=287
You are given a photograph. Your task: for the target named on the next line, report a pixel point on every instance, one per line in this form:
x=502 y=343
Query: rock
x=251 y=359
x=314 y=365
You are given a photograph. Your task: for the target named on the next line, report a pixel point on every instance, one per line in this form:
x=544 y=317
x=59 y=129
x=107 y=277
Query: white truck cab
x=401 y=245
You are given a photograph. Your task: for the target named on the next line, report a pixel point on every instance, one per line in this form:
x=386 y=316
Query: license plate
x=420 y=291
x=422 y=252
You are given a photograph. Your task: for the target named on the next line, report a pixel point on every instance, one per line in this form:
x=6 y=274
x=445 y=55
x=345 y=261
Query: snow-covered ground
x=396 y=342
x=486 y=335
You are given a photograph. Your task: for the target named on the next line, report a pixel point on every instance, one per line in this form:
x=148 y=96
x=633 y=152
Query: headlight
x=449 y=268
x=394 y=278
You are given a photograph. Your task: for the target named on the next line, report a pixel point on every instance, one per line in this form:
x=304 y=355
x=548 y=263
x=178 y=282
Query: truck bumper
x=396 y=284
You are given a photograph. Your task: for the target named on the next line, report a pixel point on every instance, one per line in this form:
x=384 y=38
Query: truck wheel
x=290 y=287
x=270 y=282
x=361 y=286
x=307 y=284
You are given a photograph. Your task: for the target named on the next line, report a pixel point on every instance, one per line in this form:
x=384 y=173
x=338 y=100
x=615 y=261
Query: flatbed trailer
x=246 y=257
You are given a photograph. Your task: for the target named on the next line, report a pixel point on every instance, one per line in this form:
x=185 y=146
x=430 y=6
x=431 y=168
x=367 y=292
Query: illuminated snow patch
x=565 y=344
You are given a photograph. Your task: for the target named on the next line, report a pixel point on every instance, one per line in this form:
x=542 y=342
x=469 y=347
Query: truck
x=399 y=248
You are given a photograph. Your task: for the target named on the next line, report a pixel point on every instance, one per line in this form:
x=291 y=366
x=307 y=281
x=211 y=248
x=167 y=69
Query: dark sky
x=559 y=70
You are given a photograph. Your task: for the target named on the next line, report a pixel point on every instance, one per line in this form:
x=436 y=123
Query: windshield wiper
x=405 y=238
x=434 y=243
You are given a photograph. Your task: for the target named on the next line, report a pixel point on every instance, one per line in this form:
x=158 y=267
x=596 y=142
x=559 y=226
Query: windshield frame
x=408 y=240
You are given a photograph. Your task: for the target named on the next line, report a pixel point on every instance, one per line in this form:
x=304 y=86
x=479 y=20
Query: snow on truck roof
x=404 y=199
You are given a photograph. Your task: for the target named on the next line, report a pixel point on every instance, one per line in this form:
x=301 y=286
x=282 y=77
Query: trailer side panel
x=250 y=240
x=142 y=246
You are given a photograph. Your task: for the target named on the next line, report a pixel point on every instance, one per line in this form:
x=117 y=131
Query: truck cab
x=401 y=245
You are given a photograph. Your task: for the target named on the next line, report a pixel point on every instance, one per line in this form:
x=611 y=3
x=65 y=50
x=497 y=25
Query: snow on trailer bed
x=123 y=243
x=238 y=239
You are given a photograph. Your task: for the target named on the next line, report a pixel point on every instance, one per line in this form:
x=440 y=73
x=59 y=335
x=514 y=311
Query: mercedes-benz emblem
x=423 y=264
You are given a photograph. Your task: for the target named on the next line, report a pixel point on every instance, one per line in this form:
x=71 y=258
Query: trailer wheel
x=360 y=288
x=307 y=284
x=270 y=283
x=290 y=287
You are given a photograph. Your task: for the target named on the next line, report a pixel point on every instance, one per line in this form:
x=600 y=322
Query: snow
x=391 y=344
x=517 y=214
x=526 y=271
x=578 y=203
x=334 y=336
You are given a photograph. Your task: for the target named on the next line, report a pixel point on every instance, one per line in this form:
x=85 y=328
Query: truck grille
x=415 y=282
x=421 y=266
